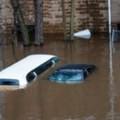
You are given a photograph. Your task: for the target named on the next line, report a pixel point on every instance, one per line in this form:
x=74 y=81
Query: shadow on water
x=45 y=100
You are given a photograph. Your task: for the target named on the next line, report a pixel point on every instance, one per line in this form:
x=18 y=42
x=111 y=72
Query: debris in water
x=83 y=34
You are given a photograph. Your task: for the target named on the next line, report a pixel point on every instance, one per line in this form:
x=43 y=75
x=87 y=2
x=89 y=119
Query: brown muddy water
x=96 y=99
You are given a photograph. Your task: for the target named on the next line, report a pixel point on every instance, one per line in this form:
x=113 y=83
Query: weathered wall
x=88 y=14
x=6 y=14
x=115 y=6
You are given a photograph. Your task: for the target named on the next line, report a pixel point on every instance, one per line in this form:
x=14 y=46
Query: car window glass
x=9 y=82
x=85 y=74
x=89 y=70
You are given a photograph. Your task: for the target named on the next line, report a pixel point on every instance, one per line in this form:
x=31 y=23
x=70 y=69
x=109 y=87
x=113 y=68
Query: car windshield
x=66 y=76
x=12 y=82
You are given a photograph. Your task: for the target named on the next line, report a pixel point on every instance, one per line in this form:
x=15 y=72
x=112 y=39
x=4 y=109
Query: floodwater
x=96 y=99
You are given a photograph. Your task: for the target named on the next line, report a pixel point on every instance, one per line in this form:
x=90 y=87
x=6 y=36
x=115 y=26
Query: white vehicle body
x=26 y=70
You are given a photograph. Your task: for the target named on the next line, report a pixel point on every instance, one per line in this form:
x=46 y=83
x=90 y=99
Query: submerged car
x=26 y=70
x=72 y=73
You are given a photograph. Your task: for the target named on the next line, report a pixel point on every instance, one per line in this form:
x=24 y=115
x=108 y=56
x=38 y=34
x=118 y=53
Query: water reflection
x=116 y=46
x=115 y=40
x=115 y=56
x=2 y=107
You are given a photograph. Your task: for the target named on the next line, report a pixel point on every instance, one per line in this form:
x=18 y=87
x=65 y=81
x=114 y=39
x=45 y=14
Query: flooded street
x=96 y=99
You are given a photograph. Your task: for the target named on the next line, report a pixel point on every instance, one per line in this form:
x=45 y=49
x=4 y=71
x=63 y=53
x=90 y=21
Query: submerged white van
x=26 y=70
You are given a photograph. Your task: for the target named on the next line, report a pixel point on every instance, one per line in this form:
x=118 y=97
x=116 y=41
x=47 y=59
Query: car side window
x=89 y=70
x=84 y=74
x=9 y=82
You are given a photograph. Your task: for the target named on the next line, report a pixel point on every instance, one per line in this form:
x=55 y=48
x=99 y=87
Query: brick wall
x=52 y=16
x=90 y=14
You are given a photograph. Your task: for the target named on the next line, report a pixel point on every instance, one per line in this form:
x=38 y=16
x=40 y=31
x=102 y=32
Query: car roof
x=81 y=67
